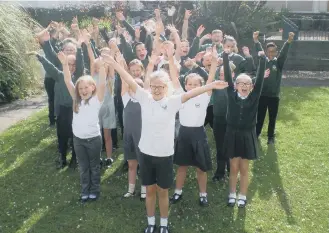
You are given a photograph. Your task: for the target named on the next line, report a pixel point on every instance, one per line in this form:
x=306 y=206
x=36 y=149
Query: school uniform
x=132 y=120
x=107 y=118
x=240 y=138
x=157 y=138
x=219 y=98
x=88 y=144
x=240 y=63
x=219 y=47
x=270 y=97
x=63 y=102
x=191 y=147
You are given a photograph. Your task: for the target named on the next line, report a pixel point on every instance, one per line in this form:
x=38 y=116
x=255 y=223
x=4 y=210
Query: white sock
x=242 y=197
x=203 y=194
x=143 y=189
x=131 y=188
x=163 y=222
x=231 y=197
x=151 y=220
x=179 y=191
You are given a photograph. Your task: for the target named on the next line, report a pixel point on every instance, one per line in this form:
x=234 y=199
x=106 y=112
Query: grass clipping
x=19 y=74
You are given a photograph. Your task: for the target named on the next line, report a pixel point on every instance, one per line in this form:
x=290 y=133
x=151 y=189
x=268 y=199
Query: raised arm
x=67 y=74
x=122 y=72
x=258 y=45
x=102 y=81
x=200 y=90
x=129 y=28
x=174 y=31
x=173 y=71
x=44 y=40
x=227 y=69
x=260 y=74
x=80 y=67
x=213 y=67
x=188 y=14
x=284 y=51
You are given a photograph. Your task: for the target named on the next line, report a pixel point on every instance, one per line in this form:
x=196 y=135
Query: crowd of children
x=164 y=92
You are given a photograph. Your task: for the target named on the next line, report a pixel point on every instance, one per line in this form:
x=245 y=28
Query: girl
x=192 y=147
x=157 y=137
x=87 y=98
x=107 y=116
x=240 y=143
x=136 y=69
x=219 y=127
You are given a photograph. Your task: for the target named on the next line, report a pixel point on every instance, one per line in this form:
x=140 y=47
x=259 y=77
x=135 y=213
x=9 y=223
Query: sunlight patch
x=32 y=220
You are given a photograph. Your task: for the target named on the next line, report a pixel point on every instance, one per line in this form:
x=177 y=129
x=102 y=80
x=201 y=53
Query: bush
x=19 y=75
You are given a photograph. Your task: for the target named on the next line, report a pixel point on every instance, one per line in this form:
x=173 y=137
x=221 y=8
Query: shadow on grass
x=267 y=181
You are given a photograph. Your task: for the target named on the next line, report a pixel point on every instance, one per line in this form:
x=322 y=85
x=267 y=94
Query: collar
x=242 y=97
x=268 y=60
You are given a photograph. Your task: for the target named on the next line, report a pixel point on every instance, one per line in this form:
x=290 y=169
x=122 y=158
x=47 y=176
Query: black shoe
x=52 y=124
x=101 y=162
x=108 y=162
x=203 y=201
x=149 y=228
x=217 y=178
x=164 y=229
x=73 y=163
x=175 y=198
x=270 y=141
x=84 y=199
x=62 y=164
x=125 y=166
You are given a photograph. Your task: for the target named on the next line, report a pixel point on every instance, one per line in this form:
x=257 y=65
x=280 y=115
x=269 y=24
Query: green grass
x=288 y=184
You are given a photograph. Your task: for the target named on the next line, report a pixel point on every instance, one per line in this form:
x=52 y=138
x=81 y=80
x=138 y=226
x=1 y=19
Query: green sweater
x=62 y=95
x=241 y=64
x=272 y=84
x=241 y=113
x=219 y=100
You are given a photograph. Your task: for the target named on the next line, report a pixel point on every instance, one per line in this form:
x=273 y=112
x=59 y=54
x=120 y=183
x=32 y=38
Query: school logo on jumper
x=197 y=105
x=164 y=107
x=274 y=67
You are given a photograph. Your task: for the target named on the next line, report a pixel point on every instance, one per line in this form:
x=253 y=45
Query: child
x=219 y=128
x=136 y=69
x=133 y=125
x=192 y=147
x=240 y=144
x=157 y=137
x=107 y=117
x=269 y=98
x=87 y=98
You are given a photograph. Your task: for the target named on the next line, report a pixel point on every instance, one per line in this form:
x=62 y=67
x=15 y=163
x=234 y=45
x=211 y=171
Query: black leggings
x=64 y=131
x=209 y=117
x=49 y=86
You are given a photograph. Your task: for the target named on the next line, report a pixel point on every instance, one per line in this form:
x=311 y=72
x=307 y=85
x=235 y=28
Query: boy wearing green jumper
x=269 y=98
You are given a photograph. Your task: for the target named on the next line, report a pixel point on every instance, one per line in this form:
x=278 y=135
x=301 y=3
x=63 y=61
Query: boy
x=269 y=98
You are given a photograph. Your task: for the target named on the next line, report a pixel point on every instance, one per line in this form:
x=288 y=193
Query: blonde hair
x=194 y=75
x=137 y=62
x=77 y=100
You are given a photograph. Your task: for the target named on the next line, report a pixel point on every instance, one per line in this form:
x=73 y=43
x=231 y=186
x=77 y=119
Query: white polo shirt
x=85 y=123
x=158 y=123
x=193 y=112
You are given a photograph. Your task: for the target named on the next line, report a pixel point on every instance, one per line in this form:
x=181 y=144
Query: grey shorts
x=107 y=117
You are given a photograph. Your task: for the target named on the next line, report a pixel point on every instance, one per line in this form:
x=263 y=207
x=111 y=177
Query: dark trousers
x=272 y=105
x=119 y=110
x=49 y=86
x=88 y=155
x=64 y=131
x=223 y=162
x=209 y=117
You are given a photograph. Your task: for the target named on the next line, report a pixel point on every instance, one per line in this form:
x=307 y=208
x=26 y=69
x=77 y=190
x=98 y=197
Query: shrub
x=19 y=74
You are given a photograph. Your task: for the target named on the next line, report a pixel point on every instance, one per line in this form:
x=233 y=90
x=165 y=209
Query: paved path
x=19 y=110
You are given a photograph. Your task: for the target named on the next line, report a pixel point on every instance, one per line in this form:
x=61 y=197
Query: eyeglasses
x=244 y=84
x=160 y=88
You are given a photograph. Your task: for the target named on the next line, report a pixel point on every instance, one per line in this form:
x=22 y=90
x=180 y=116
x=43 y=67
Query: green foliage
x=18 y=73
x=240 y=18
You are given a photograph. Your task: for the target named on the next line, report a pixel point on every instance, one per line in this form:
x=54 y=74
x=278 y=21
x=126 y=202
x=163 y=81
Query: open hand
x=261 y=54
x=75 y=20
x=200 y=30
x=199 y=56
x=62 y=58
x=188 y=14
x=43 y=36
x=120 y=16
x=255 y=36
x=214 y=53
x=246 y=51
x=291 y=36
x=157 y=13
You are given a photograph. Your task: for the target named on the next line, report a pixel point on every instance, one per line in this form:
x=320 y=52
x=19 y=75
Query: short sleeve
x=175 y=102
x=125 y=99
x=141 y=95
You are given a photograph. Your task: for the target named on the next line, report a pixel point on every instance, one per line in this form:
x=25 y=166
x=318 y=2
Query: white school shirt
x=163 y=61
x=126 y=97
x=158 y=123
x=85 y=123
x=193 y=112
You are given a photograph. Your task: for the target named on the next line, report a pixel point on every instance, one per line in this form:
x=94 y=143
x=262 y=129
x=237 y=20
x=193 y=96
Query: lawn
x=288 y=184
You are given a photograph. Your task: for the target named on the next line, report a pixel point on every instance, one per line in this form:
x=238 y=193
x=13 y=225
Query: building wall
x=310 y=6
